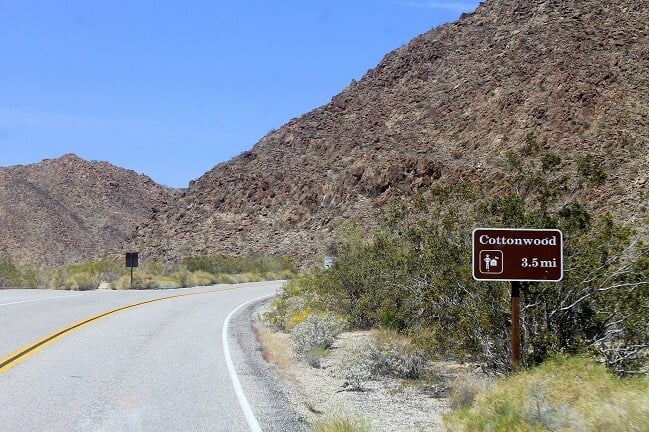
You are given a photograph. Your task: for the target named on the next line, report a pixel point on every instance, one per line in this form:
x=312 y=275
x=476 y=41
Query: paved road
x=156 y=367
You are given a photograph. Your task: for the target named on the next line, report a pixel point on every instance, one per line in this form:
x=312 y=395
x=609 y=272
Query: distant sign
x=131 y=259
x=328 y=262
x=525 y=255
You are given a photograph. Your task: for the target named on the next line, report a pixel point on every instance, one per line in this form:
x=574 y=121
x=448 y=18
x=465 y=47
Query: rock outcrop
x=68 y=210
x=447 y=106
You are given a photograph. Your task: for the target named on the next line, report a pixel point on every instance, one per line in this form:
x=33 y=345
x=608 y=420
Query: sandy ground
x=386 y=404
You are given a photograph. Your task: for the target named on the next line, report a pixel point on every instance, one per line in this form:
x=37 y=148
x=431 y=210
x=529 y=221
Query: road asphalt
x=156 y=367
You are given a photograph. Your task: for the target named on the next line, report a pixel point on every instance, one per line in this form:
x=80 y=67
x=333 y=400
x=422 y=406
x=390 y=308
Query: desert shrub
x=367 y=359
x=562 y=394
x=399 y=358
x=464 y=391
x=285 y=314
x=293 y=305
x=316 y=331
x=166 y=283
x=413 y=275
x=280 y=275
x=245 y=277
x=9 y=273
x=298 y=317
x=82 y=280
x=359 y=364
x=182 y=277
x=315 y=356
x=140 y=281
x=590 y=170
x=340 y=425
x=150 y=274
x=254 y=263
x=54 y=278
x=201 y=278
x=101 y=270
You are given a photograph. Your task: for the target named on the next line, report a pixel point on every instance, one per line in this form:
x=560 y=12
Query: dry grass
x=566 y=394
x=276 y=348
x=465 y=389
x=341 y=425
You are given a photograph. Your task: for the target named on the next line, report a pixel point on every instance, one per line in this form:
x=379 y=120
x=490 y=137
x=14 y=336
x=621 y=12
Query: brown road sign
x=526 y=255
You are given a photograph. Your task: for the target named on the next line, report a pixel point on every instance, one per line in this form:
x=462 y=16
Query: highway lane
x=156 y=367
x=26 y=315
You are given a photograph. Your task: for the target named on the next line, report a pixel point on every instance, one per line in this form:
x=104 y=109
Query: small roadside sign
x=523 y=255
x=131 y=259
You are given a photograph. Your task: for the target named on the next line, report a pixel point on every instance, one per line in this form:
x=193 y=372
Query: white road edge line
x=38 y=299
x=253 y=424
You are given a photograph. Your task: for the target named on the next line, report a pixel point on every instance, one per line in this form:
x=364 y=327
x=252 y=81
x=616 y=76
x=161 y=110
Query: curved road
x=155 y=367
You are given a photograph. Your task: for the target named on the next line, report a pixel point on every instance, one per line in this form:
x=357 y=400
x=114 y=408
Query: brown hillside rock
x=69 y=210
x=443 y=108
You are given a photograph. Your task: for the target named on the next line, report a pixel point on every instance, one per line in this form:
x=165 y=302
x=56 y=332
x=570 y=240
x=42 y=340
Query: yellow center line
x=29 y=350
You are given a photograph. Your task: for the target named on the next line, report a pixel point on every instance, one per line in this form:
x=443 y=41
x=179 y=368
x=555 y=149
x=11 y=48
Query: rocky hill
x=68 y=210
x=446 y=106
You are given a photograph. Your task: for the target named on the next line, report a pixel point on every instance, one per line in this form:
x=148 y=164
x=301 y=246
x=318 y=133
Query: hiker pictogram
x=491 y=261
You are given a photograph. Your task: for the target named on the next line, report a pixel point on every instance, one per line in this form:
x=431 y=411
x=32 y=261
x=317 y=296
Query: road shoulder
x=259 y=379
x=386 y=404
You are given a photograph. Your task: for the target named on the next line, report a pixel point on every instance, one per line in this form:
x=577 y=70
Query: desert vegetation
x=413 y=277
x=563 y=394
x=195 y=271
x=341 y=425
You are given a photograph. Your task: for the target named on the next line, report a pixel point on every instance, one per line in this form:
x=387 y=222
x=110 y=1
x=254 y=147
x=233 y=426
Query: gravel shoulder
x=385 y=404
x=261 y=384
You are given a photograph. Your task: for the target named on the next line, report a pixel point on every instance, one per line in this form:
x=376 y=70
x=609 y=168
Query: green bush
x=9 y=274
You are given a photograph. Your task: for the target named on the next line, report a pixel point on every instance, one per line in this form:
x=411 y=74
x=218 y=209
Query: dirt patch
x=387 y=404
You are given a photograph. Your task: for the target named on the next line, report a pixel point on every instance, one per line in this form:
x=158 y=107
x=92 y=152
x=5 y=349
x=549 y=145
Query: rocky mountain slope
x=68 y=210
x=446 y=106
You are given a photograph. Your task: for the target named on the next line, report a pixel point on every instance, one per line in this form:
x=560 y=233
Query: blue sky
x=172 y=88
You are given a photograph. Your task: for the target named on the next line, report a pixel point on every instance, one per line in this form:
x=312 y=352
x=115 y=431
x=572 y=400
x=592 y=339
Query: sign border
x=514 y=229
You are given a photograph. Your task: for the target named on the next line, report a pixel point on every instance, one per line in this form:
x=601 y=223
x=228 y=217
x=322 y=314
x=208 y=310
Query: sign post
x=131 y=261
x=516 y=324
x=517 y=256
